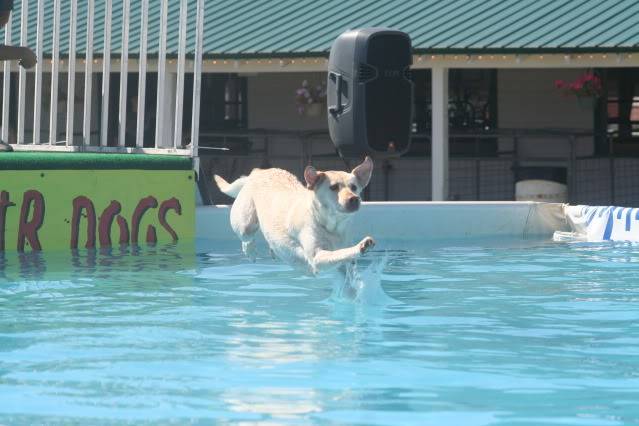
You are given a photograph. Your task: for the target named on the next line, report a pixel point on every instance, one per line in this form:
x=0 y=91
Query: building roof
x=280 y=28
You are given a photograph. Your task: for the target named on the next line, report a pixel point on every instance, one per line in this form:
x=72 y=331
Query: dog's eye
x=334 y=187
x=353 y=188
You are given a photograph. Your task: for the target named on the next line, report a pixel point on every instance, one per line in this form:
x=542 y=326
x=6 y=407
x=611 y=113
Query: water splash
x=362 y=286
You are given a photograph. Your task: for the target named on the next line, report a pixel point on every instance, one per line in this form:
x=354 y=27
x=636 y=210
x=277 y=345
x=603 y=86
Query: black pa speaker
x=6 y=6
x=370 y=93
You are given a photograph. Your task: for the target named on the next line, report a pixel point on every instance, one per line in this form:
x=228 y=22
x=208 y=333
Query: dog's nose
x=353 y=203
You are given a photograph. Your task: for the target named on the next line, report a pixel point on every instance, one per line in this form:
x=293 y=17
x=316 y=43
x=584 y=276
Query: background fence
x=590 y=180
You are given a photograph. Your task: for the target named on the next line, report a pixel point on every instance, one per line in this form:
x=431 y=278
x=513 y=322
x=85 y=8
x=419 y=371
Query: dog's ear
x=312 y=177
x=364 y=171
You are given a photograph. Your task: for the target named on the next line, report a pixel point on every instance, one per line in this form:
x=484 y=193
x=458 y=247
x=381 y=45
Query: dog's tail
x=230 y=189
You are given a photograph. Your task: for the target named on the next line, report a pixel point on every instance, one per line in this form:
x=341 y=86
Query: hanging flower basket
x=588 y=85
x=314 y=110
x=310 y=100
x=587 y=102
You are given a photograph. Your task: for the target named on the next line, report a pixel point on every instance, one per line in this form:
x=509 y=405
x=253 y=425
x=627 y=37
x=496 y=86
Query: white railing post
x=439 y=140
x=73 y=25
x=88 y=76
x=22 y=84
x=6 y=87
x=139 y=139
x=37 y=99
x=55 y=69
x=106 y=73
x=159 y=115
x=181 y=65
x=124 y=72
x=197 y=81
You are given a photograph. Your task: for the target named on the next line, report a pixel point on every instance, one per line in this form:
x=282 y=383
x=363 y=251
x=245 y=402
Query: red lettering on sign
x=5 y=203
x=144 y=205
x=28 y=230
x=32 y=213
x=80 y=204
x=151 y=235
x=106 y=221
x=124 y=230
x=172 y=204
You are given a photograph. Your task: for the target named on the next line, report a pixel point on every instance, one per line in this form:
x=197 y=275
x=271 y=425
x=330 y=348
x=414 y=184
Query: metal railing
x=174 y=144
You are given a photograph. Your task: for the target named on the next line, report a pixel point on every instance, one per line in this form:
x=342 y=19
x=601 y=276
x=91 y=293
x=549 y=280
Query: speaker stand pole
x=439 y=138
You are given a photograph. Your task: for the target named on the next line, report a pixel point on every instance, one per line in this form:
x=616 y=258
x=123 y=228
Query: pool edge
x=431 y=221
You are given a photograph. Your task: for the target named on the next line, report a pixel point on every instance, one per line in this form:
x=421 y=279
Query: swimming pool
x=489 y=332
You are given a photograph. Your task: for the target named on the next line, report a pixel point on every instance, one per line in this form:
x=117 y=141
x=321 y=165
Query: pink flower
x=588 y=84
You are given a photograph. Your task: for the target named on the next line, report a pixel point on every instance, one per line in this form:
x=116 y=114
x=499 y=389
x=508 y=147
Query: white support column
x=71 y=72
x=55 y=69
x=88 y=77
x=22 y=83
x=439 y=134
x=106 y=74
x=197 y=83
x=167 y=129
x=161 y=99
x=124 y=73
x=179 y=98
x=6 y=87
x=139 y=139
x=37 y=99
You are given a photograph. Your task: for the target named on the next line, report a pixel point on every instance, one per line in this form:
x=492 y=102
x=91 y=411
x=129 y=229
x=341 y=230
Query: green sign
x=53 y=209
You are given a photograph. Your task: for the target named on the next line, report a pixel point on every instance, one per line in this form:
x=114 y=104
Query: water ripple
x=531 y=333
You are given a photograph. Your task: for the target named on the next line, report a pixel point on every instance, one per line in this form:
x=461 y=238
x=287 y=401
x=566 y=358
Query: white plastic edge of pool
x=425 y=221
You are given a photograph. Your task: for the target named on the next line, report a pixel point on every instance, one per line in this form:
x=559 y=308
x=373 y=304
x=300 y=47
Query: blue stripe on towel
x=608 y=230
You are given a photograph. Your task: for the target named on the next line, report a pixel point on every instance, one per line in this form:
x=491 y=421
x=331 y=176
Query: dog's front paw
x=366 y=244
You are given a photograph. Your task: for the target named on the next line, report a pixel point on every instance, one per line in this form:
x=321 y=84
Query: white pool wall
x=430 y=221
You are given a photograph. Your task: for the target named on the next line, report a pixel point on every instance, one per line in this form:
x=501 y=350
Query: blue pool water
x=529 y=334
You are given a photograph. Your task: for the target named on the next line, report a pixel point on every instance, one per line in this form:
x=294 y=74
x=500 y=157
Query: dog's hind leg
x=245 y=223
